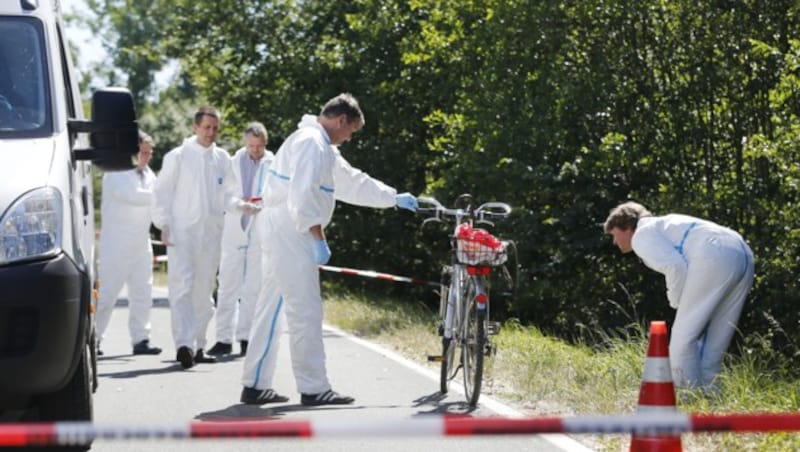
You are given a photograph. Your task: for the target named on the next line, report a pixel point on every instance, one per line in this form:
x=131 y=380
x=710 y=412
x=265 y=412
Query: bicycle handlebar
x=484 y=212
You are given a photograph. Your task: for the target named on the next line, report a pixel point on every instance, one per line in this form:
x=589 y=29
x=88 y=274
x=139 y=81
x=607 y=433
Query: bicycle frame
x=464 y=301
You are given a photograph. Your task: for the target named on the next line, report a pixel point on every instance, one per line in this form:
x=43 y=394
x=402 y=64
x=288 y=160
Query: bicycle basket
x=479 y=247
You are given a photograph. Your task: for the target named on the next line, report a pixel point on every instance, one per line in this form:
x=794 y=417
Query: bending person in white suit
x=126 y=255
x=305 y=180
x=240 y=275
x=708 y=270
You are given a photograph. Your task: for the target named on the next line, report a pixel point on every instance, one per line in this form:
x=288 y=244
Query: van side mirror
x=113 y=130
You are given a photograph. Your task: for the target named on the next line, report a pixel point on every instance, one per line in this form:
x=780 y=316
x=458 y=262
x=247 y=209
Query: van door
x=81 y=182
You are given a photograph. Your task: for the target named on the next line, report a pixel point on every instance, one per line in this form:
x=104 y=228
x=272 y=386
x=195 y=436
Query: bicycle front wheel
x=448 y=370
x=474 y=337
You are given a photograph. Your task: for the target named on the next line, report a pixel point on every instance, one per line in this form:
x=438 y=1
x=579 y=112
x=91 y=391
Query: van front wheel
x=73 y=402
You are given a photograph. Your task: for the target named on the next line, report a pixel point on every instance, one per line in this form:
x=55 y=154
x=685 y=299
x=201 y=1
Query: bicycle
x=464 y=320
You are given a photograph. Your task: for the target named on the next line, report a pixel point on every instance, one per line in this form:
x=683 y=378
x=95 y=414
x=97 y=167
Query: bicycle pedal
x=440 y=330
x=489 y=349
x=435 y=359
x=492 y=327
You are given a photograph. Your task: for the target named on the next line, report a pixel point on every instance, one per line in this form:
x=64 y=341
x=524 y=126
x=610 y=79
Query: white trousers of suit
x=131 y=263
x=239 y=280
x=192 y=267
x=714 y=294
x=290 y=287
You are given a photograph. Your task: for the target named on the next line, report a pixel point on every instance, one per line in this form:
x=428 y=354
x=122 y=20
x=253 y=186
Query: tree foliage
x=562 y=109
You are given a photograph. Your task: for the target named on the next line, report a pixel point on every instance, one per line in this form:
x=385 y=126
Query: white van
x=47 y=359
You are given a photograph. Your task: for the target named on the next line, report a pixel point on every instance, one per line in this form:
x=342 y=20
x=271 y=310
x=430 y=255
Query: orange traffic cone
x=657 y=394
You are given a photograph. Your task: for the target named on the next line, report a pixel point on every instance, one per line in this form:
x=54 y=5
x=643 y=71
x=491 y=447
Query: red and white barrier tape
x=67 y=433
x=160 y=258
x=352 y=272
x=378 y=275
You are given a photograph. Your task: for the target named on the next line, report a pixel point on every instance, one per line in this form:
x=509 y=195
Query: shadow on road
x=436 y=402
x=115 y=358
x=264 y=412
x=139 y=372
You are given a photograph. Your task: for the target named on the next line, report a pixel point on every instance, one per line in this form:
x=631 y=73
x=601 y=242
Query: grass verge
x=543 y=376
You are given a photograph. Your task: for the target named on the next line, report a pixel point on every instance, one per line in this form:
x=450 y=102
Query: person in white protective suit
x=306 y=178
x=708 y=270
x=239 y=277
x=125 y=253
x=189 y=203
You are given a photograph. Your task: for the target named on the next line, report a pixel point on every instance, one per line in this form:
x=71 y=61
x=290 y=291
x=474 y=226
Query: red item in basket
x=481 y=236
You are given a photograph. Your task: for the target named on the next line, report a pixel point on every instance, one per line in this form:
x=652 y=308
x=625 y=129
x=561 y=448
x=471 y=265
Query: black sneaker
x=328 y=397
x=144 y=348
x=253 y=396
x=220 y=348
x=201 y=357
x=185 y=357
x=243 y=345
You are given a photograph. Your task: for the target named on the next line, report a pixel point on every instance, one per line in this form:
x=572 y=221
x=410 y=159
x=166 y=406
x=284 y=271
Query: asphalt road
x=142 y=391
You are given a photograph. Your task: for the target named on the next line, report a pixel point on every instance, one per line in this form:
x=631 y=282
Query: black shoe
x=220 y=348
x=201 y=357
x=185 y=357
x=253 y=396
x=144 y=348
x=243 y=345
x=325 y=398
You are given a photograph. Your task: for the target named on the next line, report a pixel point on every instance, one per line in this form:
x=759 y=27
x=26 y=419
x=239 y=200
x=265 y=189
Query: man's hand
x=249 y=208
x=322 y=253
x=407 y=201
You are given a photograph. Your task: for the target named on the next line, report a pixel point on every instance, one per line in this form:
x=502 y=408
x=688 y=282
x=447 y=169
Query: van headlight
x=31 y=227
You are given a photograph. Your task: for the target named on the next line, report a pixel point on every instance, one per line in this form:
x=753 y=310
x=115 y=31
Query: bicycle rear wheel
x=474 y=342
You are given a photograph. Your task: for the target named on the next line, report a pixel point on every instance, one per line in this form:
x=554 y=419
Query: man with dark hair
x=708 y=270
x=306 y=178
x=189 y=203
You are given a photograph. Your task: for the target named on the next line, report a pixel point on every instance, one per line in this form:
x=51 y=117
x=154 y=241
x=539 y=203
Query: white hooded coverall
x=189 y=198
x=708 y=270
x=240 y=265
x=125 y=254
x=306 y=177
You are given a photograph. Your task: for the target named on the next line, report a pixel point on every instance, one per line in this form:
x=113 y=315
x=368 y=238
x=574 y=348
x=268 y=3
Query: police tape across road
x=75 y=433
x=378 y=275
x=353 y=272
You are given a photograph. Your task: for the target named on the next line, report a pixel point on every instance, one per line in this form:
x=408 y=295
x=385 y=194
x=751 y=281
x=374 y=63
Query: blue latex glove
x=322 y=253
x=407 y=201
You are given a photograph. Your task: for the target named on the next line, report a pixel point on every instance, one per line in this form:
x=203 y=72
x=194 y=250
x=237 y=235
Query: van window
x=24 y=100
x=70 y=96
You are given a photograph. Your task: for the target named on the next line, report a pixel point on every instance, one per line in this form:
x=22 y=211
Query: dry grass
x=543 y=376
